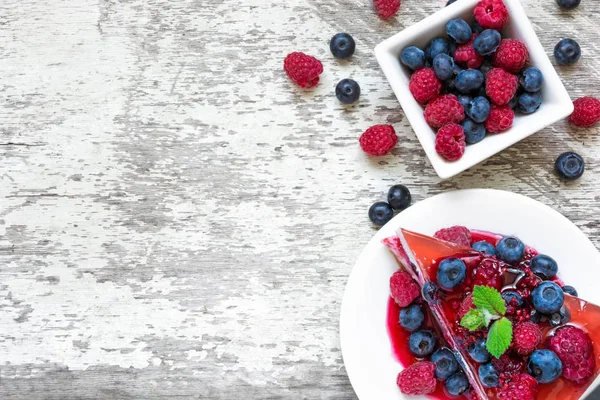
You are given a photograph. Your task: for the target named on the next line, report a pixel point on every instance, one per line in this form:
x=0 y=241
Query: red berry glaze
x=465 y=306
x=466 y=56
x=521 y=387
x=574 y=348
x=403 y=288
x=378 y=140
x=491 y=14
x=501 y=86
x=460 y=235
x=386 y=8
x=488 y=273
x=526 y=337
x=418 y=379
x=424 y=85
x=450 y=142
x=500 y=119
x=586 y=113
x=508 y=367
x=444 y=110
x=512 y=55
x=303 y=69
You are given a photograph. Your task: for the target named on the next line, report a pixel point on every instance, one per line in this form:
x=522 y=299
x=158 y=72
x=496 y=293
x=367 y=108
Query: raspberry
x=459 y=235
x=418 y=379
x=466 y=55
x=491 y=14
x=512 y=55
x=526 y=284
x=378 y=140
x=488 y=273
x=574 y=348
x=450 y=142
x=444 y=110
x=526 y=337
x=508 y=367
x=465 y=306
x=500 y=119
x=424 y=85
x=386 y=8
x=500 y=86
x=521 y=387
x=303 y=69
x=403 y=288
x=586 y=113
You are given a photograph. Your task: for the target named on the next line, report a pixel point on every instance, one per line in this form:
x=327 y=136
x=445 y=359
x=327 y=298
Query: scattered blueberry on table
x=342 y=45
x=347 y=91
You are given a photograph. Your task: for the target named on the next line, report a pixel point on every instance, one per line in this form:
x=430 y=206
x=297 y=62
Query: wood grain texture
x=178 y=221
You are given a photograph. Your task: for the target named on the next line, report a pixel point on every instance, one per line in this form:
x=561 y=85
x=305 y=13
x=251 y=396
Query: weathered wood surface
x=178 y=221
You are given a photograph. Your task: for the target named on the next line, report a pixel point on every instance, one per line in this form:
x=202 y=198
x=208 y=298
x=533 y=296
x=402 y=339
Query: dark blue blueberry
x=464 y=100
x=443 y=66
x=529 y=102
x=478 y=352
x=469 y=81
x=512 y=297
x=485 y=248
x=431 y=292
x=570 y=166
x=342 y=45
x=412 y=317
x=399 y=197
x=514 y=101
x=567 y=52
x=451 y=273
x=445 y=363
x=486 y=67
x=537 y=317
x=567 y=4
x=544 y=266
x=347 y=91
x=479 y=109
x=474 y=132
x=413 y=57
x=422 y=343
x=381 y=213
x=568 y=289
x=437 y=46
x=476 y=28
x=457 y=384
x=561 y=317
x=547 y=297
x=488 y=375
x=510 y=250
x=532 y=80
x=487 y=42
x=545 y=366
x=459 y=30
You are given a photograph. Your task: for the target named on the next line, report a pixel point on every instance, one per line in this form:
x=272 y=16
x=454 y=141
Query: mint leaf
x=490 y=299
x=473 y=320
x=499 y=337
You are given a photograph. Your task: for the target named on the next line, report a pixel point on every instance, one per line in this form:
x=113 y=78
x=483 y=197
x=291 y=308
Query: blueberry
x=445 y=363
x=464 y=100
x=478 y=352
x=380 y=213
x=512 y=297
x=474 y=132
x=431 y=292
x=561 y=317
x=399 y=197
x=451 y=273
x=510 y=250
x=476 y=28
x=537 y=317
x=514 y=101
x=347 y=91
x=547 y=297
x=485 y=248
x=567 y=4
x=437 y=46
x=544 y=266
x=457 y=384
x=528 y=103
x=567 y=52
x=469 y=81
x=459 y=30
x=443 y=66
x=570 y=166
x=532 y=80
x=342 y=45
x=412 y=317
x=413 y=57
x=487 y=42
x=486 y=67
x=545 y=366
x=479 y=109
x=568 y=289
x=488 y=375
x=422 y=343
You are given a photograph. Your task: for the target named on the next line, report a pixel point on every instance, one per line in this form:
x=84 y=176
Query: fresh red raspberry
x=521 y=387
x=508 y=367
x=488 y=273
x=378 y=140
x=424 y=85
x=418 y=379
x=526 y=284
x=386 y=8
x=403 y=288
x=465 y=306
x=459 y=235
x=500 y=119
x=444 y=110
x=466 y=56
x=574 y=348
x=526 y=337
x=450 y=142
x=303 y=69
x=512 y=55
x=586 y=113
x=500 y=86
x=491 y=14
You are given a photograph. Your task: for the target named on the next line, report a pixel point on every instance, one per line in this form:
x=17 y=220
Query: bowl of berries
x=473 y=79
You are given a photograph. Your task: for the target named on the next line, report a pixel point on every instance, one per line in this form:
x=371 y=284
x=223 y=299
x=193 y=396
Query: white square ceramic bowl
x=556 y=102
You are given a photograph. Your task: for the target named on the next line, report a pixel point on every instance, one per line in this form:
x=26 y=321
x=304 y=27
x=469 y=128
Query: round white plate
x=366 y=349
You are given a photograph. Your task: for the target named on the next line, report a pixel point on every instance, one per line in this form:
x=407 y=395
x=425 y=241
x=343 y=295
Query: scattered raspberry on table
x=303 y=69
x=378 y=140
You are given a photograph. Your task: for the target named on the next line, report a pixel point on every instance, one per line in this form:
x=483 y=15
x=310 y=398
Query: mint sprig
x=499 y=337
x=490 y=299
